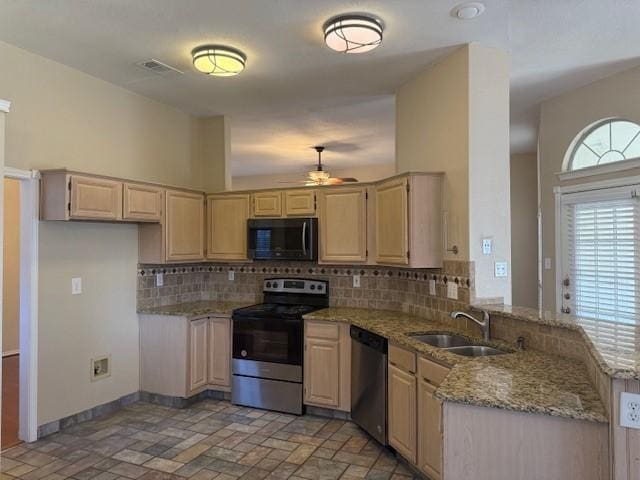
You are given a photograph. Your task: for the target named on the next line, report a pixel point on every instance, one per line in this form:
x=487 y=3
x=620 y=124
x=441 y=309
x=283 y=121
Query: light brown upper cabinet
x=184 y=226
x=142 y=203
x=343 y=224
x=299 y=203
x=267 y=204
x=227 y=216
x=70 y=196
x=408 y=221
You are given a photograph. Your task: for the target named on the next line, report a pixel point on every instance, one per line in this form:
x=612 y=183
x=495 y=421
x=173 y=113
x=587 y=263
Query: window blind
x=603 y=258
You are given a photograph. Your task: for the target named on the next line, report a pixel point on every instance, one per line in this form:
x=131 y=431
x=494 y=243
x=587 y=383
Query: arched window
x=606 y=142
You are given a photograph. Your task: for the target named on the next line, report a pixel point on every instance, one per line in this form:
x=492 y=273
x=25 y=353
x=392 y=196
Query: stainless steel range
x=268 y=344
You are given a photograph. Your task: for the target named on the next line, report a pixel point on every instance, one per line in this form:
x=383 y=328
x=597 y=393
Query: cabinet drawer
x=431 y=372
x=328 y=330
x=402 y=358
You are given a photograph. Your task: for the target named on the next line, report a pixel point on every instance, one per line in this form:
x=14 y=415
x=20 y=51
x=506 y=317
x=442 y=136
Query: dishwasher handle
x=371 y=340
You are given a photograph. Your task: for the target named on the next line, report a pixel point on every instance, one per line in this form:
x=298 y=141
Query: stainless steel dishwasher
x=369 y=382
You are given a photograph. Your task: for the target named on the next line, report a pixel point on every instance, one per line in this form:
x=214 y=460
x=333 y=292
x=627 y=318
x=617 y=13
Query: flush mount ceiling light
x=353 y=33
x=218 y=60
x=467 y=11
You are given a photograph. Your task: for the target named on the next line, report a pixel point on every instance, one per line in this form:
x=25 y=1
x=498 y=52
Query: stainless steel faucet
x=485 y=324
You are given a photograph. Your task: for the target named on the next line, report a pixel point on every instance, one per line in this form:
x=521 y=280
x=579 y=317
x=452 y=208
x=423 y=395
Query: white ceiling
x=295 y=92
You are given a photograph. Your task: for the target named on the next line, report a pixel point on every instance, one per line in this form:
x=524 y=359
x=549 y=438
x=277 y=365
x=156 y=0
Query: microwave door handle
x=304 y=238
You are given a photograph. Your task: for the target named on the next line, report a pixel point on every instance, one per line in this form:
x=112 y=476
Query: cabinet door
x=142 y=203
x=392 y=244
x=299 y=203
x=184 y=226
x=402 y=412
x=198 y=353
x=95 y=198
x=429 y=430
x=267 y=204
x=220 y=352
x=343 y=225
x=227 y=226
x=322 y=372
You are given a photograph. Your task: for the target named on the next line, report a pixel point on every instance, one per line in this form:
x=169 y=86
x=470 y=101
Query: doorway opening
x=19 y=307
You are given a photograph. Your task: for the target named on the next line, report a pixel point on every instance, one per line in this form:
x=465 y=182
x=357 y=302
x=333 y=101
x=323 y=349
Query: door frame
x=29 y=217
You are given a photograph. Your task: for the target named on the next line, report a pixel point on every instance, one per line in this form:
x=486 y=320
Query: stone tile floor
x=210 y=440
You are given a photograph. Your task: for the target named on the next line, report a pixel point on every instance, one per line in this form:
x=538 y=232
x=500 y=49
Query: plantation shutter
x=602 y=255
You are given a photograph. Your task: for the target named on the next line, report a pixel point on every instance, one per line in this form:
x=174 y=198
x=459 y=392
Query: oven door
x=272 y=340
x=283 y=239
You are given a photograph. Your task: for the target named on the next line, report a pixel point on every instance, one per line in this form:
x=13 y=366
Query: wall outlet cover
x=159 y=280
x=76 y=286
x=487 y=245
x=356 y=281
x=231 y=275
x=432 y=287
x=501 y=269
x=630 y=410
x=452 y=290
x=547 y=263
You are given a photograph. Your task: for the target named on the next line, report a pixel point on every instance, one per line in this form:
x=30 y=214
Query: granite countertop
x=525 y=381
x=614 y=345
x=195 y=309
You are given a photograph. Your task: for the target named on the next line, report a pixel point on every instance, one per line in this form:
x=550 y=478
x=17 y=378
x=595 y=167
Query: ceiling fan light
x=353 y=33
x=218 y=60
x=319 y=177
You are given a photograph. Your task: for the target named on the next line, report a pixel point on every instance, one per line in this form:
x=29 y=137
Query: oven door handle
x=304 y=238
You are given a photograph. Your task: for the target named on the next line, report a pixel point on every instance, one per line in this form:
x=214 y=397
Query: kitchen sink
x=475 y=351
x=441 y=340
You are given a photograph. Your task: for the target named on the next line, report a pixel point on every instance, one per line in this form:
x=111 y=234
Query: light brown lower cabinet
x=181 y=356
x=402 y=427
x=327 y=365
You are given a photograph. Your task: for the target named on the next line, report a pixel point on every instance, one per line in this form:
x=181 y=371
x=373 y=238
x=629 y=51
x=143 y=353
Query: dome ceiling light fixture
x=353 y=33
x=467 y=11
x=218 y=60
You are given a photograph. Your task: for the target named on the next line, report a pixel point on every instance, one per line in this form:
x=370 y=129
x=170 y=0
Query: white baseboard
x=10 y=353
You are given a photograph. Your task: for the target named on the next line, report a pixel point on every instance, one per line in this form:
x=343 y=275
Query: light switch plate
x=76 y=286
x=432 y=287
x=547 y=263
x=452 y=290
x=629 y=410
x=159 y=280
x=356 y=281
x=231 y=275
x=487 y=246
x=501 y=269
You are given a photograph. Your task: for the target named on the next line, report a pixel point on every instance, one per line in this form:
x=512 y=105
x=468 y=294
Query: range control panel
x=295 y=285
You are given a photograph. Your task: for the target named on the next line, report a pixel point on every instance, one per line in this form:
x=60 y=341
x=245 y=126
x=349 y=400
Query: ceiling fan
x=319 y=176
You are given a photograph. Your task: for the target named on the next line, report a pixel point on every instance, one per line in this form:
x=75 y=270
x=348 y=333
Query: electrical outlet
x=547 y=263
x=452 y=290
x=231 y=275
x=432 y=287
x=630 y=410
x=159 y=279
x=356 y=281
x=76 y=286
x=486 y=246
x=500 y=269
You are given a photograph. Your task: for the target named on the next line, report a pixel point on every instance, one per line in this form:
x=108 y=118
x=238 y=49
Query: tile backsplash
x=385 y=288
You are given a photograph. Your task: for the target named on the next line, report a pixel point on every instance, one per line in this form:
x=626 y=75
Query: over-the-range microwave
x=283 y=239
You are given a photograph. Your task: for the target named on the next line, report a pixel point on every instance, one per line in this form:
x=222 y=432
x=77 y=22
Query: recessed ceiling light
x=353 y=33
x=218 y=60
x=467 y=11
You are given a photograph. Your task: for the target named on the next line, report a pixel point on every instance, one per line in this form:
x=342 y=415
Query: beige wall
x=524 y=229
x=432 y=123
x=63 y=118
x=561 y=119
x=11 y=268
x=215 y=151
x=365 y=173
x=454 y=118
